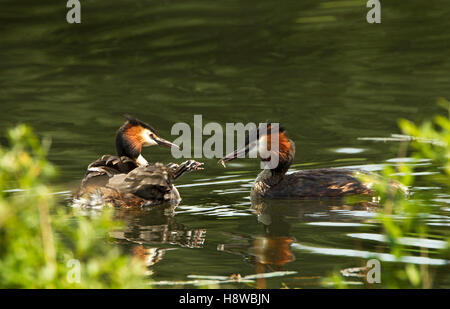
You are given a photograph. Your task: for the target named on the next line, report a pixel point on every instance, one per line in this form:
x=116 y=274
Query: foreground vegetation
x=42 y=246
x=404 y=217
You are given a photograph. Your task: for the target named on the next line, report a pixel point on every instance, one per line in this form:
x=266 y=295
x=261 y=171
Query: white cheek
x=148 y=141
x=262 y=148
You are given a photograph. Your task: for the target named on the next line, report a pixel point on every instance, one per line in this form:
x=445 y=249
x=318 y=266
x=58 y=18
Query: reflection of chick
x=162 y=234
x=147 y=231
x=157 y=227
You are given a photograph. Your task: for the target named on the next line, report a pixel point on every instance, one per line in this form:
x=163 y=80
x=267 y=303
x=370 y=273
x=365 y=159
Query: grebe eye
x=152 y=135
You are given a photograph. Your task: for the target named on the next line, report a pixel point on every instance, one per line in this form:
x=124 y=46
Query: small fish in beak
x=221 y=161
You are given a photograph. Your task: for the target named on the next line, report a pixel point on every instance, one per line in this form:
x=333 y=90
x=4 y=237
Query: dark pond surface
x=317 y=67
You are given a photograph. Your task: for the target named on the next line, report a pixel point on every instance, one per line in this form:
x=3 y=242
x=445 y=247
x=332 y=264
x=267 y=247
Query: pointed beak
x=239 y=153
x=162 y=142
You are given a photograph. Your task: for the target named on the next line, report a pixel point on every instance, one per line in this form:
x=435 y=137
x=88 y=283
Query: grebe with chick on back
x=319 y=183
x=127 y=179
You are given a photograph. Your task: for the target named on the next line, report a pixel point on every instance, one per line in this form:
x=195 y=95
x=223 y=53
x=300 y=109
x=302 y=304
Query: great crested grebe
x=313 y=183
x=128 y=180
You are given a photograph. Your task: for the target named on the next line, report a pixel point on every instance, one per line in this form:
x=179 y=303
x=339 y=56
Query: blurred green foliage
x=431 y=140
x=43 y=246
x=405 y=215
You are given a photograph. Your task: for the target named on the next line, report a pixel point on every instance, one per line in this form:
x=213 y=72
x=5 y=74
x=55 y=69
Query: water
x=328 y=80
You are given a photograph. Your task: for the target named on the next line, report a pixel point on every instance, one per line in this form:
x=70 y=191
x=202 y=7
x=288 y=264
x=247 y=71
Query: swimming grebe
x=128 y=180
x=314 y=183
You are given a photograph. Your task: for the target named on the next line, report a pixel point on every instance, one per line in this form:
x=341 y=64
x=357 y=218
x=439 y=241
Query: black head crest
x=270 y=123
x=136 y=122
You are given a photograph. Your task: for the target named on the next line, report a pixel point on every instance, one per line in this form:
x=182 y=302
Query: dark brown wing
x=317 y=183
x=152 y=184
x=99 y=172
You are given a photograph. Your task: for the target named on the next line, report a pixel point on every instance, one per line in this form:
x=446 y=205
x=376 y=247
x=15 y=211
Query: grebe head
x=262 y=142
x=135 y=134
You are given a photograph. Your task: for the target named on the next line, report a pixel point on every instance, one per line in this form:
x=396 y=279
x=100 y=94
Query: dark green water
x=317 y=67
